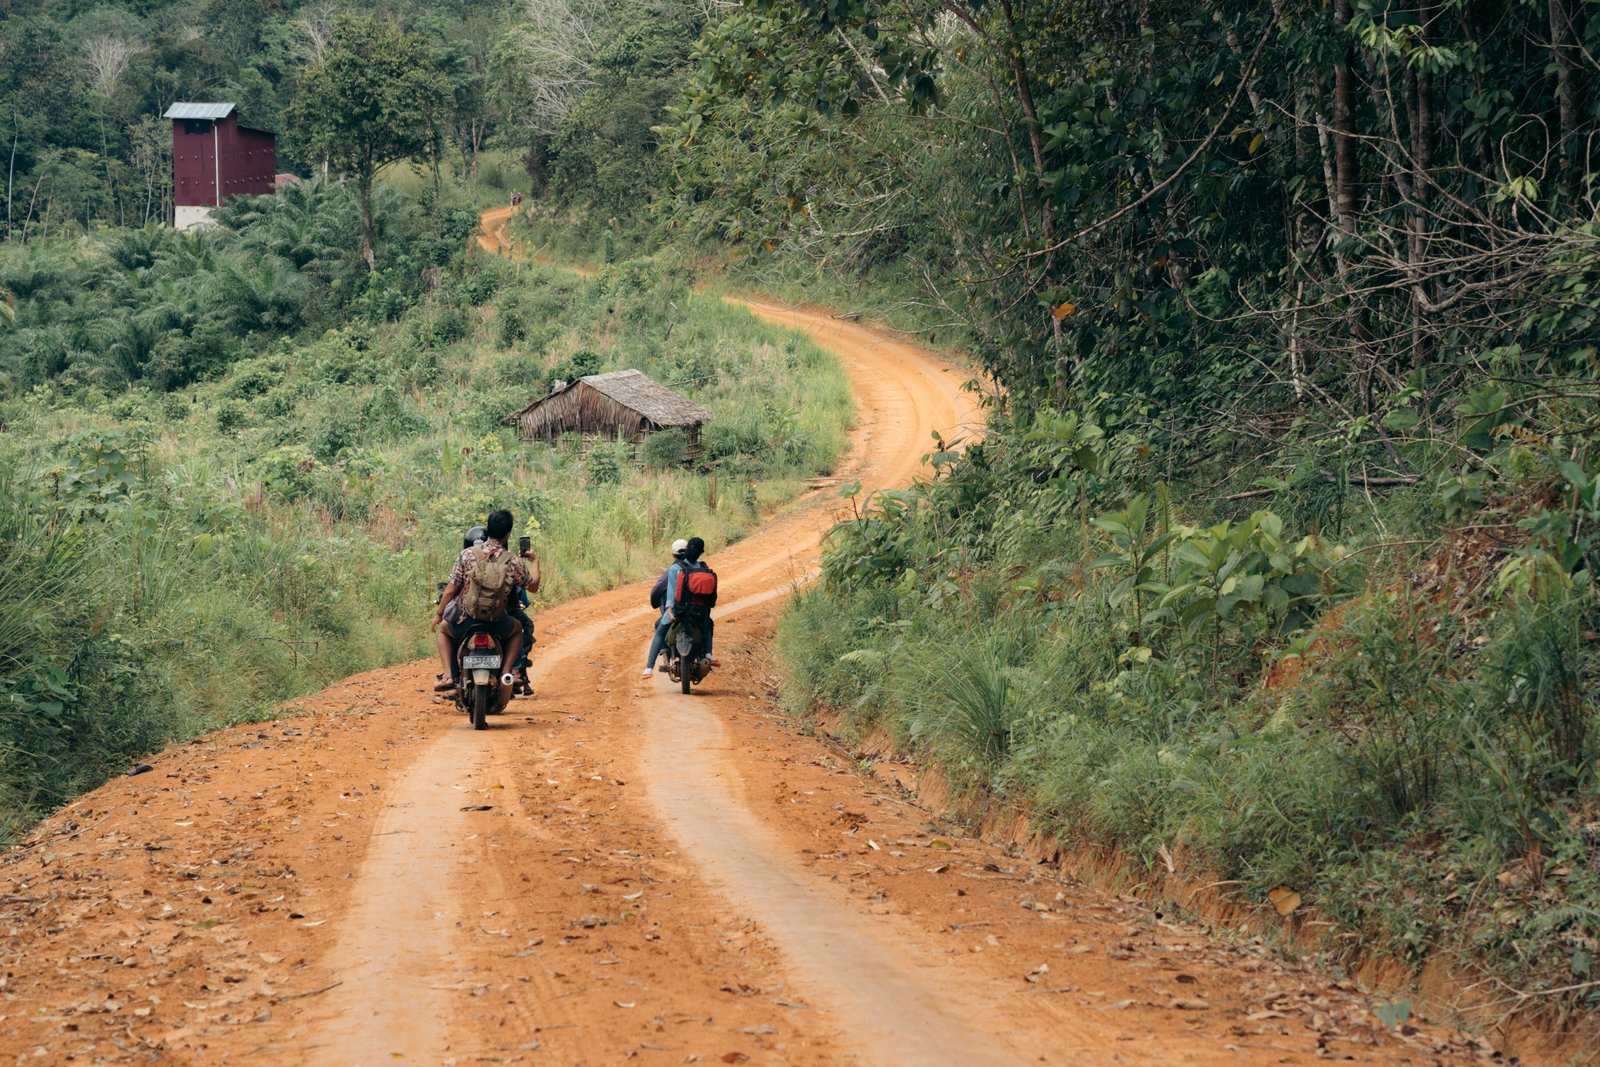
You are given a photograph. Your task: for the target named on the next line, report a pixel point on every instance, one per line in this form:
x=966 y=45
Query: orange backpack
x=697 y=587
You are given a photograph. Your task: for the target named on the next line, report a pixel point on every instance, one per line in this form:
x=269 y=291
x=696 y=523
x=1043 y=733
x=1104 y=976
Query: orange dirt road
x=613 y=872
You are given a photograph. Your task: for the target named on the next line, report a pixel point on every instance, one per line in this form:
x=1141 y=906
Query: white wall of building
x=185 y=217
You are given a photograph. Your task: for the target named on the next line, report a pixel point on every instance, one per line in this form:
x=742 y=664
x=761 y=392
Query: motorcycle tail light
x=482 y=641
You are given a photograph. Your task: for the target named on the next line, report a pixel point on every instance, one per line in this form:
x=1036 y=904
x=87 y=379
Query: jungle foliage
x=1276 y=558
x=83 y=86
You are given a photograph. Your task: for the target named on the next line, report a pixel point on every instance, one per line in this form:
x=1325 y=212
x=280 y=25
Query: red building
x=214 y=157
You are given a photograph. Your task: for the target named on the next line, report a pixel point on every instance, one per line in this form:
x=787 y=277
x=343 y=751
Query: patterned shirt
x=516 y=571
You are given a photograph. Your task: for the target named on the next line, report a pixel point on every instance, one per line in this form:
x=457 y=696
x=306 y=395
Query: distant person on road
x=453 y=623
x=672 y=605
x=516 y=200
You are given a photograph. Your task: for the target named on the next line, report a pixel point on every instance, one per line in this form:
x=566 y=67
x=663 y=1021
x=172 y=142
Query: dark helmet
x=695 y=549
x=474 y=536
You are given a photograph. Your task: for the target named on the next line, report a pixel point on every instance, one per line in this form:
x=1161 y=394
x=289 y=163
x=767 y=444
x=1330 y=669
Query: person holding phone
x=519 y=611
x=452 y=621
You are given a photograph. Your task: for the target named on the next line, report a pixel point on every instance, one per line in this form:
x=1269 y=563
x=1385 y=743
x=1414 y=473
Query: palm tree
x=126 y=341
x=140 y=249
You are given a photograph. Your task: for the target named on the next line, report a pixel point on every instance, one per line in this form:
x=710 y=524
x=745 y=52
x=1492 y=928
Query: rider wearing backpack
x=479 y=594
x=518 y=609
x=690 y=585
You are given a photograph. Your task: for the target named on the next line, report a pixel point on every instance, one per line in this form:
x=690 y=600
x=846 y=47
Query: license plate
x=473 y=663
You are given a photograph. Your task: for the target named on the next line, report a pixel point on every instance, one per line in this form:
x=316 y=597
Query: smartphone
x=524 y=544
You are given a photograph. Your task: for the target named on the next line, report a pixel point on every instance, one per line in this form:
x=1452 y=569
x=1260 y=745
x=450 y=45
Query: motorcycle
x=686 y=648
x=483 y=690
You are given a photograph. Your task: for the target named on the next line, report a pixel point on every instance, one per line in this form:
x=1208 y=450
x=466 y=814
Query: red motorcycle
x=486 y=686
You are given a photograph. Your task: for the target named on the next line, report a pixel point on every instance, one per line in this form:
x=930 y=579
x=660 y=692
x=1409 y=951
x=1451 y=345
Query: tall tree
x=377 y=98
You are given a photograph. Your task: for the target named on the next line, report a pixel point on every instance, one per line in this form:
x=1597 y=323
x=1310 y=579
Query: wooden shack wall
x=584 y=409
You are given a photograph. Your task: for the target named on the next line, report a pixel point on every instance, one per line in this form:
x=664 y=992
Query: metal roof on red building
x=199 y=111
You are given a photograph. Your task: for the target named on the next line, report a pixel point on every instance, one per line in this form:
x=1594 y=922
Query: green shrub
x=176 y=406
x=254 y=381
x=582 y=363
x=443 y=328
x=478 y=287
x=665 y=450
x=281 y=402
x=135 y=406
x=338 y=360
x=231 y=416
x=971 y=704
x=511 y=326
x=286 y=471
x=388 y=414
x=605 y=462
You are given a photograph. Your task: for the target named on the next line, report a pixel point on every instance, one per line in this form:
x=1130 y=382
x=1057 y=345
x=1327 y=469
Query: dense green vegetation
x=234 y=463
x=83 y=85
x=1276 y=560
x=569 y=88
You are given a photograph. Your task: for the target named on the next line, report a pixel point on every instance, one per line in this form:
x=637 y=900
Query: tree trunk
x=33 y=201
x=1566 y=81
x=1147 y=29
x=1030 y=116
x=105 y=162
x=11 y=171
x=1421 y=115
x=1344 y=154
x=367 y=228
x=1344 y=164
x=1330 y=185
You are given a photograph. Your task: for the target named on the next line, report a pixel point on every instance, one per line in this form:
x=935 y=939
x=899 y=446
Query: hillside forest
x=1274 y=568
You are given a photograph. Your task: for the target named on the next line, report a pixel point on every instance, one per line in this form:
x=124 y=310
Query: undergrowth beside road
x=233 y=465
x=1397 y=726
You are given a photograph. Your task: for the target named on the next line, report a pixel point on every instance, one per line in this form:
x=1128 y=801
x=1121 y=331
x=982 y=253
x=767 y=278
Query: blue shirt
x=672 y=587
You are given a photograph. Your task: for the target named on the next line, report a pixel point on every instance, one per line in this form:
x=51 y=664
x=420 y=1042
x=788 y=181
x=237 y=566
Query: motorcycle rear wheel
x=685 y=672
x=480 y=707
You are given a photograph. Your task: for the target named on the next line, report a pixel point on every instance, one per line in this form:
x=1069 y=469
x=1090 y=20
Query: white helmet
x=679 y=547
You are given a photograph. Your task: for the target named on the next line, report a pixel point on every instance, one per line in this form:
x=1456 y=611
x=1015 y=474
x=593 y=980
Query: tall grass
x=1419 y=767
x=172 y=561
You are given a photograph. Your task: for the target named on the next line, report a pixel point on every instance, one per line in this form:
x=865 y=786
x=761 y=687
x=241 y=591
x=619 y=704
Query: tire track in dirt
x=400 y=1001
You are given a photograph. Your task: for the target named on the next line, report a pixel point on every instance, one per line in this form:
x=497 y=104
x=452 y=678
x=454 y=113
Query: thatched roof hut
x=624 y=402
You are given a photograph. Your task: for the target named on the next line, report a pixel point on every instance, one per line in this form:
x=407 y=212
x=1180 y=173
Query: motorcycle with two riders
x=483 y=632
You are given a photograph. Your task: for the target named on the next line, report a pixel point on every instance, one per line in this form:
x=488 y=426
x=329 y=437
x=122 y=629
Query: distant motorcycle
x=686 y=647
x=483 y=690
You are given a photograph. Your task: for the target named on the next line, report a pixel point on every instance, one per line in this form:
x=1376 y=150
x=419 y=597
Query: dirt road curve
x=614 y=872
